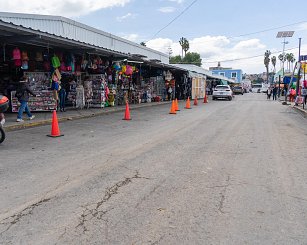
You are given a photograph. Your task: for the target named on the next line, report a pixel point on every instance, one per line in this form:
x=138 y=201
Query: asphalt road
x=227 y=172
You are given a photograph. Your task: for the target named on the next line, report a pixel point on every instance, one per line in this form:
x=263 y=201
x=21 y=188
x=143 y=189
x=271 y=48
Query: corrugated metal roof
x=203 y=71
x=67 y=28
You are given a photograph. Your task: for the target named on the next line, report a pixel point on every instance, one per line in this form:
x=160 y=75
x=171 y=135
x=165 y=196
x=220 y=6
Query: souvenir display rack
x=43 y=102
x=98 y=91
x=39 y=82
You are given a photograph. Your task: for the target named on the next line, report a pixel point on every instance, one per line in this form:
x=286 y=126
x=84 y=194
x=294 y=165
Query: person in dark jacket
x=22 y=93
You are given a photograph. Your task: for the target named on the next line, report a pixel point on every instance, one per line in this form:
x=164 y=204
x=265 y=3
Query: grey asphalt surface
x=227 y=172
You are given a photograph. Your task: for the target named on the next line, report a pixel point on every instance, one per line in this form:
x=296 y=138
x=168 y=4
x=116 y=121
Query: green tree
x=192 y=58
x=185 y=46
x=292 y=61
x=181 y=42
x=175 y=59
x=143 y=44
x=266 y=63
x=281 y=57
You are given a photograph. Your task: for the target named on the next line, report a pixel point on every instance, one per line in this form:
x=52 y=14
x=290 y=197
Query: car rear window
x=237 y=87
x=222 y=87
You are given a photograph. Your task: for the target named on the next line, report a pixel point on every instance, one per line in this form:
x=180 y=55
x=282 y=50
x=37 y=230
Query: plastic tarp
x=287 y=80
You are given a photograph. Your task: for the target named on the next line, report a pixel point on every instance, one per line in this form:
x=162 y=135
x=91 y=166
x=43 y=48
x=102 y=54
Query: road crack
x=96 y=211
x=223 y=194
x=14 y=219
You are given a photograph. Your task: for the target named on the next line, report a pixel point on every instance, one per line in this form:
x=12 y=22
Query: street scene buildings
x=104 y=140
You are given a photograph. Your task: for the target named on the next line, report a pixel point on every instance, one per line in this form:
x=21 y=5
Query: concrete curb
x=76 y=117
x=300 y=110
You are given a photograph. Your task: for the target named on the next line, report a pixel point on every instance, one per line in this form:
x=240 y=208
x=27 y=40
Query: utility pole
x=299 y=68
x=284 y=34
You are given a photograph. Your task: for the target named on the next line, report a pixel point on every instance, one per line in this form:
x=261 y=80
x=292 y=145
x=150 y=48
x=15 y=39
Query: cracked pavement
x=221 y=173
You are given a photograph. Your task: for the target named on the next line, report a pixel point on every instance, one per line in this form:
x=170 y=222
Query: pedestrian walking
x=275 y=93
x=62 y=95
x=22 y=93
x=269 y=92
x=169 y=92
x=292 y=94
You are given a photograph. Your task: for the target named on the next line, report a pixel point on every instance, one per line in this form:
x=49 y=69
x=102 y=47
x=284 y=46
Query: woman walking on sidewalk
x=22 y=93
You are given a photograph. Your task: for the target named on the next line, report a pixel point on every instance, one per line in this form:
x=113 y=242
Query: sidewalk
x=299 y=108
x=44 y=118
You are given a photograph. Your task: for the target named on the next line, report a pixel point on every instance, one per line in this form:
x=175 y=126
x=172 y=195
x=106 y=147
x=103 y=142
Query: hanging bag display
x=55 y=61
x=39 y=56
x=16 y=54
x=24 y=55
x=25 y=65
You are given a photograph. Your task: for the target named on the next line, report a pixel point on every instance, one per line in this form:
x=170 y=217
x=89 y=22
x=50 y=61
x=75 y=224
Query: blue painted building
x=234 y=74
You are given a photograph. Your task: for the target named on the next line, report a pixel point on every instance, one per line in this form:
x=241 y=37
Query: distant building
x=234 y=74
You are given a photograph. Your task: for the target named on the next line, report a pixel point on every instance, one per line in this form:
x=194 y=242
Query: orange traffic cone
x=205 y=99
x=188 y=104
x=55 y=130
x=176 y=105
x=195 y=101
x=127 y=113
x=173 y=108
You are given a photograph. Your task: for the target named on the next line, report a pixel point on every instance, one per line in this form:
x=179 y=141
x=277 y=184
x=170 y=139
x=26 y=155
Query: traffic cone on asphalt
x=127 y=113
x=205 y=99
x=195 y=101
x=188 y=104
x=176 y=105
x=55 y=130
x=173 y=108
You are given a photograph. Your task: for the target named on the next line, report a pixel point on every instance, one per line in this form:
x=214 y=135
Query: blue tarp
x=287 y=80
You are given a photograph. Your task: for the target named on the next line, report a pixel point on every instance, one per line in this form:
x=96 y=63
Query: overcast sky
x=218 y=30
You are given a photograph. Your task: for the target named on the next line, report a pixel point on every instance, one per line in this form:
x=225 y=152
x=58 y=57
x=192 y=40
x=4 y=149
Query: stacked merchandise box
x=39 y=82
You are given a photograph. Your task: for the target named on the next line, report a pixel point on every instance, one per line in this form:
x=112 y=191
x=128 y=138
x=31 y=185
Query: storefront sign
x=303 y=57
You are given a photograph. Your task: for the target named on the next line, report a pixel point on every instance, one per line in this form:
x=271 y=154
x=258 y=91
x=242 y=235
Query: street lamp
x=283 y=34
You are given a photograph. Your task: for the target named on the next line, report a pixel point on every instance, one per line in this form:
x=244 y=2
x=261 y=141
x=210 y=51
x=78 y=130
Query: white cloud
x=177 y=1
x=302 y=27
x=167 y=9
x=132 y=37
x=122 y=18
x=219 y=48
x=71 y=8
x=160 y=44
x=249 y=44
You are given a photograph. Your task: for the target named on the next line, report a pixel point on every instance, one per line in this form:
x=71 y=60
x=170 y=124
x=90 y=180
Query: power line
x=181 y=13
x=250 y=57
x=266 y=30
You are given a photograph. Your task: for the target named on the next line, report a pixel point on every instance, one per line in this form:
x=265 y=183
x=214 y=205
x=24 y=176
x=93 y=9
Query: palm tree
x=186 y=46
x=266 y=63
x=181 y=42
x=292 y=61
x=281 y=58
x=273 y=60
x=288 y=58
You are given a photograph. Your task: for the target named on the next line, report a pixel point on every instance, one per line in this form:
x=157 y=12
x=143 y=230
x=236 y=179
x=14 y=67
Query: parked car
x=222 y=91
x=238 y=90
x=256 y=87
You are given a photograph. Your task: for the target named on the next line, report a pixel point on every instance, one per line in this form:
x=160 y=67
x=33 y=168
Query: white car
x=222 y=91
